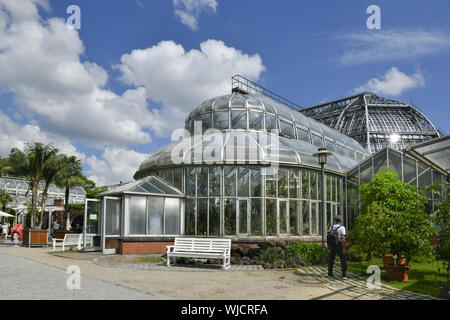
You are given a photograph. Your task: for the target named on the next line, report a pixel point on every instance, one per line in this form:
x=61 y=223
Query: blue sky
x=113 y=91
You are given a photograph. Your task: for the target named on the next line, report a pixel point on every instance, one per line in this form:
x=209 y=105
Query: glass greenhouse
x=17 y=188
x=410 y=170
x=247 y=171
x=376 y=122
x=244 y=169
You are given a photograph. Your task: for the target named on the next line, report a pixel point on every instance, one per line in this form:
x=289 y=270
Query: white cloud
x=117 y=164
x=182 y=80
x=59 y=97
x=393 y=83
x=13 y=135
x=383 y=45
x=40 y=63
x=188 y=11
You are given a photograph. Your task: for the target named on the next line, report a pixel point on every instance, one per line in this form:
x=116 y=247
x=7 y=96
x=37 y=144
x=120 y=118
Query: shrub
x=356 y=253
x=393 y=218
x=306 y=252
x=270 y=256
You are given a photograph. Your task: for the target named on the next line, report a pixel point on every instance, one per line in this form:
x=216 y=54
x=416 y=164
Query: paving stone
x=356 y=286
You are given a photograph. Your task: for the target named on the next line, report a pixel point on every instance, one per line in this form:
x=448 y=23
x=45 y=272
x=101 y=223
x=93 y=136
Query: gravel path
x=235 y=285
x=27 y=279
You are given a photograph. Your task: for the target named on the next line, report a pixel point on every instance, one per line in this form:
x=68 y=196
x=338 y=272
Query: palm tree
x=31 y=163
x=68 y=177
x=54 y=165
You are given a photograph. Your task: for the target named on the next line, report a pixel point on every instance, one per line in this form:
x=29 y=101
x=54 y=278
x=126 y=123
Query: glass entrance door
x=242 y=216
x=91 y=220
x=282 y=217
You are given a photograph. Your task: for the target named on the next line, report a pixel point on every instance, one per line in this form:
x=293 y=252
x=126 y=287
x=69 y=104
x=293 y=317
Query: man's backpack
x=333 y=237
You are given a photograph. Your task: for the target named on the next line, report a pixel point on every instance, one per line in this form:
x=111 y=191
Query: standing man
x=336 y=245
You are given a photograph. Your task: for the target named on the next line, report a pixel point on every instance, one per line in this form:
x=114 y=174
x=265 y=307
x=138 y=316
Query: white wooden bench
x=206 y=248
x=70 y=239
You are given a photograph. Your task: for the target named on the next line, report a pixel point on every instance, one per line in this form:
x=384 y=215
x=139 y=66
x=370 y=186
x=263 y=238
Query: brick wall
x=143 y=247
x=111 y=243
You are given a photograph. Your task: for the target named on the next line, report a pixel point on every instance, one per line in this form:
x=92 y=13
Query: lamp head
x=322 y=155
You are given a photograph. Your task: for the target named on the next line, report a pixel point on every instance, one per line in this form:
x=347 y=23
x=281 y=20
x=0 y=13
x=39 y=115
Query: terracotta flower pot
x=388 y=259
x=397 y=273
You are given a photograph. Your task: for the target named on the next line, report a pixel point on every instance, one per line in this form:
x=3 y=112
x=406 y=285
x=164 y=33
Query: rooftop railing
x=245 y=86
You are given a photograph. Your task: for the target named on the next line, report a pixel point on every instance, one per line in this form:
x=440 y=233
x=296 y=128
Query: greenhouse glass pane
x=314 y=216
x=306 y=218
x=189 y=222
x=395 y=162
x=294 y=218
x=271 y=217
x=221 y=121
x=317 y=141
x=256 y=182
x=230 y=217
x=282 y=183
x=190 y=181
x=238 y=102
x=214 y=181
x=283 y=210
x=271 y=186
x=255 y=120
x=286 y=129
x=202 y=182
x=366 y=172
x=330 y=146
x=112 y=217
x=256 y=221
x=177 y=179
x=409 y=169
x=379 y=161
x=206 y=121
x=202 y=217
x=243 y=182
x=172 y=216
x=214 y=216
x=303 y=135
x=314 y=184
x=294 y=183
x=155 y=208
x=243 y=216
x=137 y=215
x=230 y=181
x=341 y=150
x=238 y=119
x=271 y=122
x=305 y=184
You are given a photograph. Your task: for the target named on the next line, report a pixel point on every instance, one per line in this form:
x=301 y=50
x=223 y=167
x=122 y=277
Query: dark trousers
x=337 y=250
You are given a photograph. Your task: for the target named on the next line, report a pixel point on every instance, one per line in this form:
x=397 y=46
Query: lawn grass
x=422 y=275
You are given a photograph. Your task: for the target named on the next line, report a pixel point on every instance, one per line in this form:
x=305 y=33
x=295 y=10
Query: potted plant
x=393 y=223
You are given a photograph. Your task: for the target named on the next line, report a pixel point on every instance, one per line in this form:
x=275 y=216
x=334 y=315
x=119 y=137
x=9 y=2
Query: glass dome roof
x=254 y=129
x=376 y=122
x=261 y=113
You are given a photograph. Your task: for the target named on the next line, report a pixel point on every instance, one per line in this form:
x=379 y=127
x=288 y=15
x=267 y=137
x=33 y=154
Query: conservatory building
x=243 y=169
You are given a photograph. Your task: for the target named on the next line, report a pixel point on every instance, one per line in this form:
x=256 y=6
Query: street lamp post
x=322 y=155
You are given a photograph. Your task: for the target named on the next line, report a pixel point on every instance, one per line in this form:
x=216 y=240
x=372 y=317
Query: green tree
x=68 y=177
x=31 y=163
x=4 y=164
x=92 y=191
x=393 y=218
x=5 y=199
